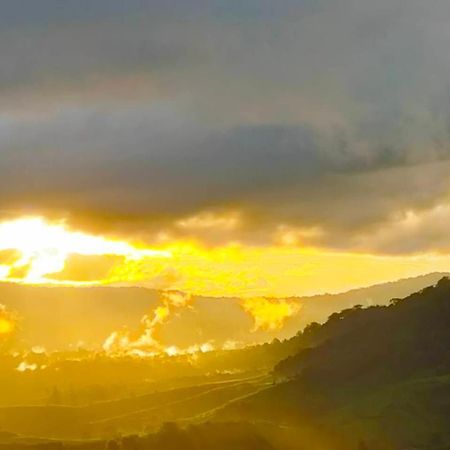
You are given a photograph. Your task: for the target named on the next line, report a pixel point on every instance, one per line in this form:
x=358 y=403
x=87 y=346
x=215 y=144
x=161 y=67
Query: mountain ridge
x=67 y=312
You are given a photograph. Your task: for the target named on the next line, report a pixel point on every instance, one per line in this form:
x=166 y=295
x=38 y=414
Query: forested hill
x=408 y=336
x=375 y=378
x=369 y=378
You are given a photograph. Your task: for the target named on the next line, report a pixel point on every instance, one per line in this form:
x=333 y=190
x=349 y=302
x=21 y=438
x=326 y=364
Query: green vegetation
x=374 y=378
x=380 y=373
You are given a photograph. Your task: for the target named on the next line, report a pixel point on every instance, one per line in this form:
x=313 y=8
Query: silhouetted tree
x=362 y=445
x=130 y=442
x=112 y=445
x=55 y=397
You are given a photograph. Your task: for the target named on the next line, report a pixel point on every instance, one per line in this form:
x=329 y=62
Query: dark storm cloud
x=314 y=114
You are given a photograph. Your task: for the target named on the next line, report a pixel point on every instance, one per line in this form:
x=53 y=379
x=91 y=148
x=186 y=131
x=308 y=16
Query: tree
x=362 y=445
x=55 y=397
x=130 y=442
x=112 y=445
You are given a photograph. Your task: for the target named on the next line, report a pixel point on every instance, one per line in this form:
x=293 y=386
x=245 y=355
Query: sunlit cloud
x=210 y=220
x=409 y=229
x=295 y=236
x=270 y=314
x=144 y=341
x=44 y=248
x=40 y=251
x=141 y=118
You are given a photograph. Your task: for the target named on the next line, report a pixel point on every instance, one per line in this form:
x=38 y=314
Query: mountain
x=65 y=317
x=369 y=378
x=379 y=376
x=408 y=336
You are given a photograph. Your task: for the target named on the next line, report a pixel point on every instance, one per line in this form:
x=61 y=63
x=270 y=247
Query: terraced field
x=128 y=415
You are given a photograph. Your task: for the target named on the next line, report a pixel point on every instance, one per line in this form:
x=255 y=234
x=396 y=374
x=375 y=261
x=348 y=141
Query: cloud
x=411 y=230
x=269 y=314
x=145 y=341
x=88 y=267
x=329 y=116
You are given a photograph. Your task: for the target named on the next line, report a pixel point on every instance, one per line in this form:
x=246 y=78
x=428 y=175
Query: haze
x=224 y=224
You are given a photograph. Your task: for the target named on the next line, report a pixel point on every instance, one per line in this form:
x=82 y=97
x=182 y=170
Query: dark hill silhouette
x=375 y=377
x=378 y=375
x=409 y=335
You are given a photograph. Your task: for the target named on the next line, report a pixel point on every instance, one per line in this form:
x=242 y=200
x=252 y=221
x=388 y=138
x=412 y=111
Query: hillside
x=380 y=375
x=373 y=378
x=64 y=317
x=408 y=336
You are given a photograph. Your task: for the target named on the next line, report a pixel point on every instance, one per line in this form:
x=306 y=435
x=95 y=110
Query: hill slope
x=369 y=378
x=89 y=315
x=380 y=375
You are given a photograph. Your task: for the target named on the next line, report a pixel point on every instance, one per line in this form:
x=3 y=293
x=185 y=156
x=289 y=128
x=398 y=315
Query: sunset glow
x=7 y=322
x=37 y=251
x=224 y=224
x=42 y=249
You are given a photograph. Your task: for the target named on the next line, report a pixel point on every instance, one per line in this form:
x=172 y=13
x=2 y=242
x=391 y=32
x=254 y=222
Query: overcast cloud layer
x=325 y=115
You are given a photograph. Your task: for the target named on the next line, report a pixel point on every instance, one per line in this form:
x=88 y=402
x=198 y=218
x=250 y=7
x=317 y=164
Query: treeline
x=409 y=336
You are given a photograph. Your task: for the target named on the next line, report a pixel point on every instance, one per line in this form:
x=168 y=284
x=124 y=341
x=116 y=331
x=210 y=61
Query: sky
x=268 y=148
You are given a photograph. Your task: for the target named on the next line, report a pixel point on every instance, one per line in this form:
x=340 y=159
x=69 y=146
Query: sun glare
x=6 y=326
x=42 y=248
x=7 y=322
x=34 y=250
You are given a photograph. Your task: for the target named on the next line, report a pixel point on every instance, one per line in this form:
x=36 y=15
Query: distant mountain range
x=65 y=317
